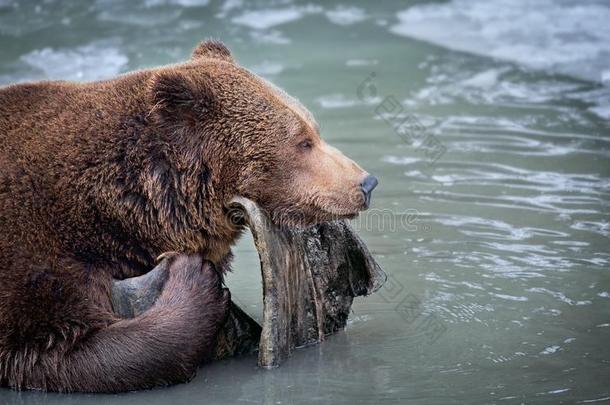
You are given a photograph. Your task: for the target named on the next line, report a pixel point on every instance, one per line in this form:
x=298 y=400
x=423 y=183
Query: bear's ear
x=212 y=49
x=180 y=97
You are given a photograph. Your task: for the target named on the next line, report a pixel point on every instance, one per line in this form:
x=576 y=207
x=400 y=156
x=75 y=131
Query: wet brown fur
x=98 y=179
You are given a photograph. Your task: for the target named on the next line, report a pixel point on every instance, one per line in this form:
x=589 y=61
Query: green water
x=497 y=252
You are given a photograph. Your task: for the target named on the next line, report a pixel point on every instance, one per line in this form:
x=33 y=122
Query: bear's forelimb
x=162 y=346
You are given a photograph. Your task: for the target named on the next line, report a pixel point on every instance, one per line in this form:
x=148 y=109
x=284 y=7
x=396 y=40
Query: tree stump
x=310 y=278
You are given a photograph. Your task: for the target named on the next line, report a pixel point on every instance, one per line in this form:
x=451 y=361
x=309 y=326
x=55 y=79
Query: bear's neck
x=172 y=199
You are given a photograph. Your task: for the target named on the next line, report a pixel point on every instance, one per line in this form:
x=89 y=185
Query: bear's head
x=256 y=141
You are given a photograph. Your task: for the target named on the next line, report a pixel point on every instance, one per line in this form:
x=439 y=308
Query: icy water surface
x=487 y=122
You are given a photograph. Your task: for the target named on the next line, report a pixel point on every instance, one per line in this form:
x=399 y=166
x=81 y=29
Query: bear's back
x=18 y=102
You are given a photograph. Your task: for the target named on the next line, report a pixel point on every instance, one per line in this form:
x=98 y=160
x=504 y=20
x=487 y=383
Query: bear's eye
x=306 y=144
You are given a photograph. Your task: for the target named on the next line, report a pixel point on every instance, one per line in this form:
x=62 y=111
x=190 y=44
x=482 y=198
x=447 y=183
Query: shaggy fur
x=98 y=179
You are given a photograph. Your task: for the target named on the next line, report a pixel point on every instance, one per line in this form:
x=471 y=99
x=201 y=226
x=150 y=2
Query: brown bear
x=98 y=179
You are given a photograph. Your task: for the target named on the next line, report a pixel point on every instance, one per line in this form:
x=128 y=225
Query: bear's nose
x=368 y=185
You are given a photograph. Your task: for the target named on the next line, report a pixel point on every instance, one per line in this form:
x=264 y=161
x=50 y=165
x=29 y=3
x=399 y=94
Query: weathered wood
x=310 y=277
x=240 y=335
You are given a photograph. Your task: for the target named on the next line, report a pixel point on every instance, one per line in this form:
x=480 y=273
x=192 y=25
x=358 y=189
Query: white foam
x=94 y=61
x=560 y=296
x=510 y=297
x=400 y=160
x=360 y=62
x=485 y=79
x=558 y=391
x=268 y=68
x=228 y=6
x=336 y=101
x=267 y=18
x=454 y=78
x=269 y=37
x=602 y=111
x=571 y=37
x=332 y=101
x=551 y=350
x=343 y=15
x=126 y=13
x=183 y=3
